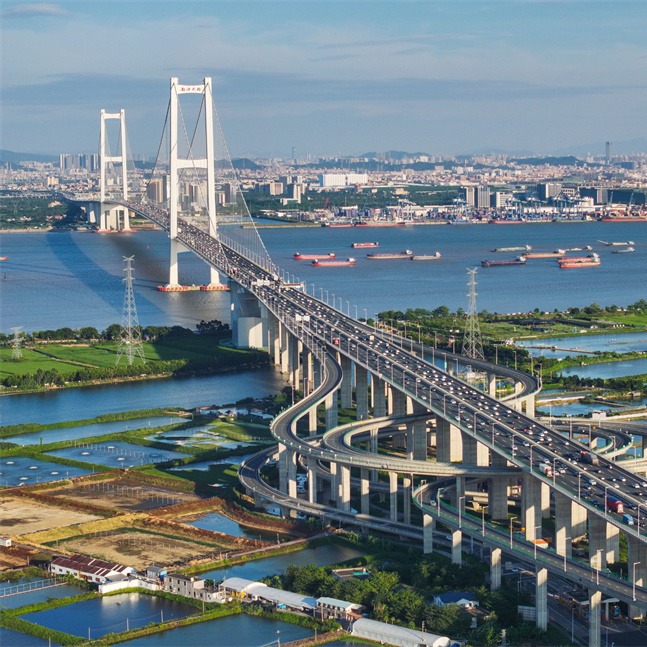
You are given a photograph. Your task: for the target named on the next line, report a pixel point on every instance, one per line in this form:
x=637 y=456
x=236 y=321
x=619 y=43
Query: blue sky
x=332 y=77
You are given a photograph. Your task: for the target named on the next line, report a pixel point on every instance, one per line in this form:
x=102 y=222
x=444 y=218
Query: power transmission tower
x=131 y=334
x=16 y=343
x=472 y=343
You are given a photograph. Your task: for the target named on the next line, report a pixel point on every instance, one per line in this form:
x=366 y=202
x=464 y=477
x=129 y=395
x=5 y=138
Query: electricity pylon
x=16 y=343
x=472 y=343
x=131 y=334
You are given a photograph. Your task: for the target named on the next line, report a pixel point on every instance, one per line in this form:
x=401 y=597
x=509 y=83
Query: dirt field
x=139 y=549
x=21 y=517
x=124 y=495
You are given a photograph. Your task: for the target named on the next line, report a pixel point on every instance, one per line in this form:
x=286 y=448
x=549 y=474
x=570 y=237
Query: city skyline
x=332 y=78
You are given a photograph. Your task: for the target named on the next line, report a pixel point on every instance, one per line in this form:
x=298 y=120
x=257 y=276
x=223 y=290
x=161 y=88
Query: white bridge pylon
x=176 y=163
x=109 y=214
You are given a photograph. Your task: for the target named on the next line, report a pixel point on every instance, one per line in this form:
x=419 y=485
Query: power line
x=16 y=343
x=472 y=343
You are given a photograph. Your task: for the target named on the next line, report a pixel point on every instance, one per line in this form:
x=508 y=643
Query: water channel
x=232 y=631
x=66 y=404
x=319 y=556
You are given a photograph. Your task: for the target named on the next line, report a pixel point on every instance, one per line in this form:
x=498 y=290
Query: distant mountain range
x=16 y=158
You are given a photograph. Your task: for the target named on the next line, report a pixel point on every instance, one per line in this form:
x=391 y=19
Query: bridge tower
x=176 y=163
x=109 y=215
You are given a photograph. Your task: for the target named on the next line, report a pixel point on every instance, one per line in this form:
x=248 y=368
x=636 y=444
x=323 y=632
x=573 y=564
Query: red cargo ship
x=362 y=245
x=312 y=257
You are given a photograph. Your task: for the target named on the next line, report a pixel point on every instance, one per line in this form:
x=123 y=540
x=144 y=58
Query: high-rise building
x=547 y=190
x=330 y=180
x=607 y=153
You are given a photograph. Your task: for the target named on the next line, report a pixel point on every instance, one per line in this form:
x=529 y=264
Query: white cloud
x=30 y=9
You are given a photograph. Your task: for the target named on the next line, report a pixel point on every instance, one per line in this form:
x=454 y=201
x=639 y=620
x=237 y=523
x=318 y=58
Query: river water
x=75 y=279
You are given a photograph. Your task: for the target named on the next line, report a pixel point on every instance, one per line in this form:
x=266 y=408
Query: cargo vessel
x=298 y=256
x=520 y=260
x=425 y=257
x=521 y=248
x=4 y=258
x=578 y=259
x=624 y=250
x=543 y=254
x=584 y=248
x=362 y=245
x=624 y=219
x=337 y=225
x=617 y=244
x=570 y=265
x=407 y=253
x=380 y=223
x=333 y=262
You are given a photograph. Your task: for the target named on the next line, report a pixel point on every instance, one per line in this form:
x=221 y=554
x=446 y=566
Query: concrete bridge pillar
x=449 y=446
x=294 y=361
x=531 y=507
x=398 y=402
x=393 y=496
x=644 y=446
x=417 y=436
x=365 y=492
x=332 y=418
x=541 y=598
x=530 y=405
x=291 y=460
x=545 y=501
x=457 y=547
x=637 y=569
x=495 y=569
x=361 y=392
x=344 y=487
x=373 y=448
x=379 y=396
x=598 y=549
x=579 y=515
x=274 y=339
x=406 y=499
x=563 y=531
x=428 y=524
x=346 y=389
x=312 y=481
x=334 y=484
x=498 y=497
x=284 y=335
x=474 y=453
x=491 y=384
x=282 y=464
x=595 y=604
x=246 y=317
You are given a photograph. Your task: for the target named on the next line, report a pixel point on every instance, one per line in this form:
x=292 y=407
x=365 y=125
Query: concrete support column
x=312 y=482
x=491 y=384
x=644 y=446
x=613 y=544
x=474 y=453
x=495 y=569
x=379 y=396
x=457 y=543
x=399 y=400
x=597 y=542
x=541 y=598
x=346 y=389
x=343 y=478
x=531 y=507
x=282 y=464
x=595 y=603
x=332 y=418
x=428 y=524
x=406 y=499
x=563 y=533
x=361 y=392
x=373 y=448
x=364 y=491
x=291 y=460
x=274 y=339
x=294 y=368
x=545 y=501
x=457 y=496
x=579 y=515
x=637 y=567
x=393 y=496
x=498 y=497
x=449 y=446
x=334 y=484
x=284 y=343
x=312 y=421
x=530 y=405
